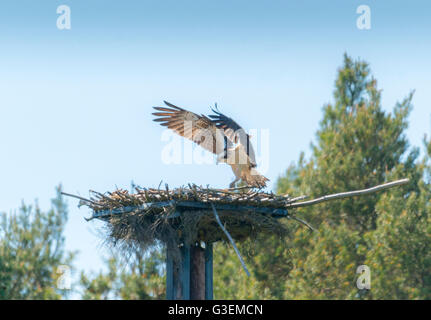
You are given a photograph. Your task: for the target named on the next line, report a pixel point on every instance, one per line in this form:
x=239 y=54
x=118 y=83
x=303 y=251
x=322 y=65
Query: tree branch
x=230 y=239
x=348 y=194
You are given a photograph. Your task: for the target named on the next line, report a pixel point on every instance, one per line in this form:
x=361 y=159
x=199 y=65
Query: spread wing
x=192 y=126
x=234 y=132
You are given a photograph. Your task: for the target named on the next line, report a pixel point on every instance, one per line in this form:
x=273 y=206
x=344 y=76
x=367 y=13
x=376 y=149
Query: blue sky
x=75 y=105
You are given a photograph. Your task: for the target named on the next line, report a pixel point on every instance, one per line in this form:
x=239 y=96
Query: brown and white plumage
x=192 y=126
x=218 y=134
x=236 y=134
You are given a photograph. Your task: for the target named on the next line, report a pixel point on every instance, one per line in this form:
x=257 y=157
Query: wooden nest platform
x=189 y=214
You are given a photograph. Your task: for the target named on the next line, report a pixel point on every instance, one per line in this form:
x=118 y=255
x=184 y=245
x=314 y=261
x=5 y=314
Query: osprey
x=218 y=134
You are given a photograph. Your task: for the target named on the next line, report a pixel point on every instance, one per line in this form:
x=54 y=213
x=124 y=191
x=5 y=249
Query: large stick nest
x=184 y=215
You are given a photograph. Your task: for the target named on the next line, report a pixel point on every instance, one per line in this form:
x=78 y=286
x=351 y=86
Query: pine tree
x=31 y=252
x=358 y=146
x=136 y=277
x=398 y=251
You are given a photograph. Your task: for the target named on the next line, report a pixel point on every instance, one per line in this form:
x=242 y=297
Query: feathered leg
x=232 y=184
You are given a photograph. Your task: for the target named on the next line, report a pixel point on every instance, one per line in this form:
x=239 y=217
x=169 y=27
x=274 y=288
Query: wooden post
x=193 y=278
x=197 y=273
x=185 y=272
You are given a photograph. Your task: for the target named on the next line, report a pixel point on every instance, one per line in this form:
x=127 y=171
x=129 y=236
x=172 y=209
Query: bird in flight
x=218 y=134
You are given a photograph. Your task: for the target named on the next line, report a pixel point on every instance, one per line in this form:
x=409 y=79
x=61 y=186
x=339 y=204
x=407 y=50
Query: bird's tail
x=256 y=179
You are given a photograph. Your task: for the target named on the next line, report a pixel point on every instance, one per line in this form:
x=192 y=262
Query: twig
x=348 y=194
x=230 y=239
x=240 y=188
x=303 y=222
x=78 y=197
